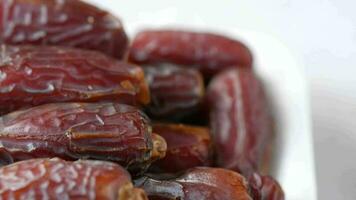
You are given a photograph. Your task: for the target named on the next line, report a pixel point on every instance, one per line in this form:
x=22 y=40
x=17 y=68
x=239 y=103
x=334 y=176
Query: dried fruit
x=187 y=147
x=103 y=131
x=198 y=183
x=209 y=53
x=175 y=92
x=240 y=120
x=61 y=22
x=32 y=75
x=5 y=157
x=265 y=188
x=59 y=179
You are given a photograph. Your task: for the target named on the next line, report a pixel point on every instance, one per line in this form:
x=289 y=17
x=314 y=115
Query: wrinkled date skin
x=103 y=131
x=61 y=23
x=31 y=75
x=201 y=183
x=187 y=147
x=240 y=120
x=265 y=188
x=207 y=52
x=175 y=92
x=5 y=157
x=59 y=179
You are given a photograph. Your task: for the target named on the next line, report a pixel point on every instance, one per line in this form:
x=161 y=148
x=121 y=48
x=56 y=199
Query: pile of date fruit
x=86 y=114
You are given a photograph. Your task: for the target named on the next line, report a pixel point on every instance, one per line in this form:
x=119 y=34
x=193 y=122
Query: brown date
x=200 y=183
x=175 y=92
x=187 y=147
x=71 y=23
x=32 y=75
x=209 y=53
x=103 y=131
x=265 y=188
x=5 y=157
x=240 y=120
x=59 y=179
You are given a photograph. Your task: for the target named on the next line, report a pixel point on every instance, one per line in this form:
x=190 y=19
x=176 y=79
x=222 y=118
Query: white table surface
x=322 y=35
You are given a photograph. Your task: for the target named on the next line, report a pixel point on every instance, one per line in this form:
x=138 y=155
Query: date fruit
x=71 y=23
x=240 y=120
x=265 y=188
x=5 y=157
x=207 y=52
x=175 y=92
x=31 y=75
x=200 y=183
x=187 y=147
x=103 y=131
x=59 y=179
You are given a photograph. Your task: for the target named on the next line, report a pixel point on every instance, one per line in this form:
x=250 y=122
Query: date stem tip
x=128 y=192
x=159 y=147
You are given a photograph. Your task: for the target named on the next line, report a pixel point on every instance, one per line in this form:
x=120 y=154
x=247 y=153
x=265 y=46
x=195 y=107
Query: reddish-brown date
x=265 y=188
x=198 y=183
x=31 y=75
x=58 y=180
x=207 y=52
x=175 y=92
x=187 y=147
x=240 y=120
x=5 y=157
x=103 y=131
x=72 y=23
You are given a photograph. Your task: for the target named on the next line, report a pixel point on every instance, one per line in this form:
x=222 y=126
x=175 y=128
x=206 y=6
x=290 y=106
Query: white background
x=322 y=36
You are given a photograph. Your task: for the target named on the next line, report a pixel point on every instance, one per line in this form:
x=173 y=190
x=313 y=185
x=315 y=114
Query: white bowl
x=283 y=77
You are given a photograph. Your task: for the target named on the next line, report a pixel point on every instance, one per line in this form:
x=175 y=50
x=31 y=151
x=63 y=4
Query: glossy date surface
x=59 y=179
x=240 y=120
x=31 y=75
x=175 y=92
x=200 y=183
x=71 y=23
x=207 y=52
x=187 y=147
x=103 y=131
x=265 y=188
